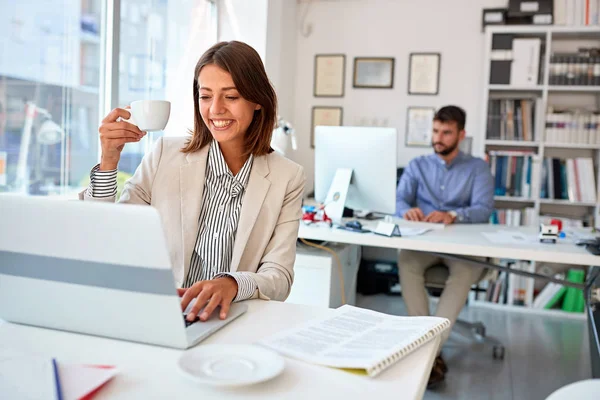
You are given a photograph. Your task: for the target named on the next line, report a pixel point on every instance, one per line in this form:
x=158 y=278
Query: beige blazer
x=265 y=243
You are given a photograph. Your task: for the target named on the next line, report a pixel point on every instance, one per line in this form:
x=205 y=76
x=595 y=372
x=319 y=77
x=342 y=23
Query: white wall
x=391 y=28
x=191 y=31
x=244 y=20
x=270 y=27
x=280 y=60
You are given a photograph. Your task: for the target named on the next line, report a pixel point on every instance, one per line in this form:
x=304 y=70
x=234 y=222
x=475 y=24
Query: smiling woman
x=220 y=80
x=229 y=205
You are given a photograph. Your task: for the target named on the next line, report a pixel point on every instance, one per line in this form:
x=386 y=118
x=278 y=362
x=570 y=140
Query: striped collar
x=218 y=166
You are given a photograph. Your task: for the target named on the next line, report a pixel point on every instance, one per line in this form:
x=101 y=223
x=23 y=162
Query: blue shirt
x=464 y=185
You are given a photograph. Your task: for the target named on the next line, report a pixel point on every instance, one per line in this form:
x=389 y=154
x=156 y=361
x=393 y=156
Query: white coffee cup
x=150 y=115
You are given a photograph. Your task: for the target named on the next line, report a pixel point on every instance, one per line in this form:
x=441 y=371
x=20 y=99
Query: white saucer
x=230 y=364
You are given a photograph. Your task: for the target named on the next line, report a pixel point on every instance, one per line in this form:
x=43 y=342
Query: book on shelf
x=577 y=12
x=574 y=300
x=556 y=295
x=514 y=172
x=357 y=340
x=513 y=217
x=507 y=288
x=572 y=127
x=547 y=293
x=570 y=179
x=581 y=68
x=512 y=119
x=525 y=67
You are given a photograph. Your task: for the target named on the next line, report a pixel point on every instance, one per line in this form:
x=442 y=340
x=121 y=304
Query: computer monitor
x=372 y=155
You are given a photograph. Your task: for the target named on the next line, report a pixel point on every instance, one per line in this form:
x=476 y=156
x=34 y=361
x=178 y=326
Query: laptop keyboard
x=188 y=323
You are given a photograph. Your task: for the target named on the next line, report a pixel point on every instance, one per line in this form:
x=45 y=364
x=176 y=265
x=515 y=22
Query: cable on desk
x=338 y=262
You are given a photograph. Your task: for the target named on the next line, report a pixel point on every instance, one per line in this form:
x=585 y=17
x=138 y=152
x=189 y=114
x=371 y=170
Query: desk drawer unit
x=316 y=279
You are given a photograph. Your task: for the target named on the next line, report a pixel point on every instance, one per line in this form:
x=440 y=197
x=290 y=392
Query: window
x=160 y=43
x=51 y=89
x=49 y=94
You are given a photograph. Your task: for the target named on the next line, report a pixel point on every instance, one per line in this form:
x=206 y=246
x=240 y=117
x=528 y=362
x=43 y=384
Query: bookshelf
x=512 y=199
x=511 y=143
x=575 y=89
x=509 y=88
x=543 y=97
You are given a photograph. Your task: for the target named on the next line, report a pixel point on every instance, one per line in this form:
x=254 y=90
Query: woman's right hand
x=114 y=133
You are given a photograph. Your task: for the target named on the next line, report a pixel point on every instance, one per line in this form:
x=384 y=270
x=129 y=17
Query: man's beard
x=445 y=150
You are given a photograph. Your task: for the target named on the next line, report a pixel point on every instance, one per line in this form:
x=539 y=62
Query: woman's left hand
x=215 y=292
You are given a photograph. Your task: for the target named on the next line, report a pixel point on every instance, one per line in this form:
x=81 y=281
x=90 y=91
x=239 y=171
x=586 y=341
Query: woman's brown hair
x=250 y=79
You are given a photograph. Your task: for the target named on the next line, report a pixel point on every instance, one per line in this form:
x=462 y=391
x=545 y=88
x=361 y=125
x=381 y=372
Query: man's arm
x=482 y=198
x=406 y=193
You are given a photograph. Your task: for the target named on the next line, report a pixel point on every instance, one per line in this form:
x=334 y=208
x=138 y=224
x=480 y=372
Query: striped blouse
x=219 y=216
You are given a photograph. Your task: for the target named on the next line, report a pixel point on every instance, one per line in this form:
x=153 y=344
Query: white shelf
x=528 y=310
x=539 y=88
x=581 y=89
x=556 y=30
x=512 y=143
x=514 y=199
x=568 y=203
x=509 y=88
x=544 y=95
x=572 y=146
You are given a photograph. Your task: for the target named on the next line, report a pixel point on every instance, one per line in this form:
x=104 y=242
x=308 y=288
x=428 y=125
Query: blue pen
x=57 y=380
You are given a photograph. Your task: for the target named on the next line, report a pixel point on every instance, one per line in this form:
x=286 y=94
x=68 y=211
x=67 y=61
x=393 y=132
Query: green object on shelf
x=556 y=298
x=574 y=300
x=580 y=305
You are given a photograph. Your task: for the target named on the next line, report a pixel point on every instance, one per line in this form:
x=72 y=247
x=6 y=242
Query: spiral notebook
x=357 y=340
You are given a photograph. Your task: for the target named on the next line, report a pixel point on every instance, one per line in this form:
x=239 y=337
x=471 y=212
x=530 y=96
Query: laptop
x=94 y=268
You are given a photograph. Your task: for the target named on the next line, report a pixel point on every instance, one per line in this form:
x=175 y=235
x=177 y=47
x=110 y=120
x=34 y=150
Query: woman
x=230 y=206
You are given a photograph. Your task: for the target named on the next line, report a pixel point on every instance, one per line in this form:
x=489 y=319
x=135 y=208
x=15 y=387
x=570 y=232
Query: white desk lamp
x=283 y=135
x=49 y=133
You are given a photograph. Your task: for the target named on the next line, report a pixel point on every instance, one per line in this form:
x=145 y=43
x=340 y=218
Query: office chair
x=435 y=280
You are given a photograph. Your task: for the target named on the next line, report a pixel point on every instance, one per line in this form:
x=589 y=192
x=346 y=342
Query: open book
x=356 y=339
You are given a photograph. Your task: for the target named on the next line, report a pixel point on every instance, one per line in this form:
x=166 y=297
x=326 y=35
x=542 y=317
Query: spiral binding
x=394 y=358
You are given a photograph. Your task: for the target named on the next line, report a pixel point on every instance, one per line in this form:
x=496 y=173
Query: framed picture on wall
x=324 y=116
x=373 y=73
x=424 y=73
x=419 y=126
x=330 y=72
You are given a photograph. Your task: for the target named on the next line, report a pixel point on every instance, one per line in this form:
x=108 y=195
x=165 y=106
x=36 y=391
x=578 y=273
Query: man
x=446 y=187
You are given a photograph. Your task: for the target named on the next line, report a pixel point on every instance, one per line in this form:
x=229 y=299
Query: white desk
x=462 y=240
x=149 y=372
x=466 y=240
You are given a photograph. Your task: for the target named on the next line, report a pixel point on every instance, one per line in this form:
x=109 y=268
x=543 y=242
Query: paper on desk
x=24 y=376
x=82 y=381
x=509 y=237
x=407 y=232
x=404 y=223
x=355 y=338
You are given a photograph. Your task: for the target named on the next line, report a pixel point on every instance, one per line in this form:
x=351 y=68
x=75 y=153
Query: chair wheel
x=498 y=352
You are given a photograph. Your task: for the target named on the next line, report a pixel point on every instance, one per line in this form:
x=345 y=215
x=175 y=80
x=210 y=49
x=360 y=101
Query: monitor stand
x=337 y=195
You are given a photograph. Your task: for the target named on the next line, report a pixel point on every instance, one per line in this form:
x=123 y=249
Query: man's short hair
x=452 y=114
